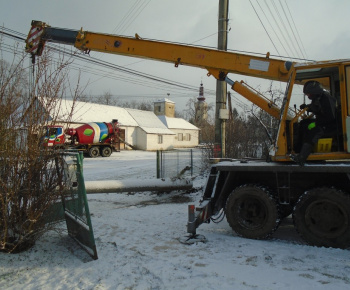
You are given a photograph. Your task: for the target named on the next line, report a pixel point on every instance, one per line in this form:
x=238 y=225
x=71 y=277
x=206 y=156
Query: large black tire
x=94 y=152
x=106 y=151
x=252 y=212
x=322 y=217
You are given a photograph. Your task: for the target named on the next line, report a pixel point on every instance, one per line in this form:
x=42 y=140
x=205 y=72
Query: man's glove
x=311 y=125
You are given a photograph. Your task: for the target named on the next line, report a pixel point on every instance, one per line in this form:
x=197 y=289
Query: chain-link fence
x=180 y=163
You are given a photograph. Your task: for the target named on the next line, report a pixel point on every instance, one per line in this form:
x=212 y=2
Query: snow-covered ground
x=137 y=242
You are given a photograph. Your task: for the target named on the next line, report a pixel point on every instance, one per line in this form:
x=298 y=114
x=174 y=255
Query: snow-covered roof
x=84 y=112
x=90 y=112
x=177 y=123
x=149 y=122
x=164 y=100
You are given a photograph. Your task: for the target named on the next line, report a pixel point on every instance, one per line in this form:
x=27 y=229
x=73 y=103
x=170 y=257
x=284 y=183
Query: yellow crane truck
x=255 y=195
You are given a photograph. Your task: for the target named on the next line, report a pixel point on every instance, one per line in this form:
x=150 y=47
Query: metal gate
x=75 y=205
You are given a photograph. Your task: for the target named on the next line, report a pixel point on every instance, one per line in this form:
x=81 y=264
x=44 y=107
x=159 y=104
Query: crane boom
x=218 y=63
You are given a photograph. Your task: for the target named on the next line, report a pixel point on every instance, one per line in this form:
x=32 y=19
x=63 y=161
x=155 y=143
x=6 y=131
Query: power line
x=112 y=66
x=131 y=16
x=284 y=26
x=291 y=29
x=279 y=27
x=295 y=27
x=167 y=85
x=122 y=21
x=136 y=76
x=264 y=27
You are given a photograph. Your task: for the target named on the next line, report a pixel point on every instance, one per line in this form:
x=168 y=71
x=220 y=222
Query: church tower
x=201 y=107
x=164 y=107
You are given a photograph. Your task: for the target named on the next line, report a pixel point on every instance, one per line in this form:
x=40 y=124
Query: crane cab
x=335 y=78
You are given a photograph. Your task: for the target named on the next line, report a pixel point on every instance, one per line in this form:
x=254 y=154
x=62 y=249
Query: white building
x=186 y=134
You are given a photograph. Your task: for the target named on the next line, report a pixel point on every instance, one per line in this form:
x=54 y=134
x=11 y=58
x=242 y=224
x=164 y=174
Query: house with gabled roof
x=187 y=135
x=151 y=133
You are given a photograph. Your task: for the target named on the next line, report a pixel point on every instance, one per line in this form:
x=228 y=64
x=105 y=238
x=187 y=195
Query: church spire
x=201 y=94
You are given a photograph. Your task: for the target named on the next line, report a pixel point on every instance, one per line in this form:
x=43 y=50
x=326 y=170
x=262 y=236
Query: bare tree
x=139 y=105
x=206 y=126
x=31 y=177
x=250 y=133
x=105 y=99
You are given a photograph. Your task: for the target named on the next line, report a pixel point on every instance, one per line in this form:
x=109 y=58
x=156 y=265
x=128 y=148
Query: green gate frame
x=76 y=207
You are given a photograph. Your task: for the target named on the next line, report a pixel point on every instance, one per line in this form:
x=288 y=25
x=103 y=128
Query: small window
x=188 y=137
x=180 y=137
x=160 y=139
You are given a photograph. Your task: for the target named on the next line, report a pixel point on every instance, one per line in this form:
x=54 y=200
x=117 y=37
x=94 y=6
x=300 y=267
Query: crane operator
x=323 y=125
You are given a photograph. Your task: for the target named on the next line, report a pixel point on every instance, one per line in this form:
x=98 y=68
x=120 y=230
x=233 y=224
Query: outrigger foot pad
x=191 y=239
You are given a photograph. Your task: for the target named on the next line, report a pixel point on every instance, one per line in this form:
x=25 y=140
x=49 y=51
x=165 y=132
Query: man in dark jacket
x=323 y=107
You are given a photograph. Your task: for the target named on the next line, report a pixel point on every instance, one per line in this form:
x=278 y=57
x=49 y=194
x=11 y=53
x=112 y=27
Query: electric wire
x=132 y=79
x=125 y=70
x=210 y=35
x=279 y=28
x=132 y=16
x=236 y=100
x=126 y=15
x=285 y=28
x=272 y=29
x=263 y=26
x=291 y=29
x=296 y=29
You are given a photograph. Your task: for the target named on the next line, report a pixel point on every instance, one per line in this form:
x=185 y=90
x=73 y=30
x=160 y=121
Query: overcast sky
x=320 y=26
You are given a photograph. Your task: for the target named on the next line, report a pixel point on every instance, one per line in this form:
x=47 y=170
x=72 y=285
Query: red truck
x=94 y=139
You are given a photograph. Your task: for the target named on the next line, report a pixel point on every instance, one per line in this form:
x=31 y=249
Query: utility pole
x=221 y=87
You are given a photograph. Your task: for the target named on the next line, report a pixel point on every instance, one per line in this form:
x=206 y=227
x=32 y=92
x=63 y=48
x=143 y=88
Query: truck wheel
x=106 y=151
x=252 y=212
x=94 y=152
x=322 y=217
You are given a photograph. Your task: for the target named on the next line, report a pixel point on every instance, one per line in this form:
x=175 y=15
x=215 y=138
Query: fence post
x=191 y=162
x=158 y=164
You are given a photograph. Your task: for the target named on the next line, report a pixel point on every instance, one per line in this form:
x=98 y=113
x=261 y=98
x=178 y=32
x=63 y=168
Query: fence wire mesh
x=184 y=163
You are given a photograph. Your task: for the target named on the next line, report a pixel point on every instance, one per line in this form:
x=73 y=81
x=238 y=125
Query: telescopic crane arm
x=217 y=63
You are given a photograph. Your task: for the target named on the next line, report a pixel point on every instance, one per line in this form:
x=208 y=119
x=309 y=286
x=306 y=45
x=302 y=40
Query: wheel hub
x=326 y=219
x=252 y=213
